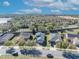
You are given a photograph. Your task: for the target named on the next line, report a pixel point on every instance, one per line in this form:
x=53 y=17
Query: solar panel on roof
x=73 y=35
x=6 y=36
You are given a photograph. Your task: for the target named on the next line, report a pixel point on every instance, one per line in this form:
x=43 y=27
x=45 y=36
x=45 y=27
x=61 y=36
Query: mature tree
x=45 y=41
x=31 y=37
x=50 y=27
x=58 y=44
x=64 y=45
x=34 y=31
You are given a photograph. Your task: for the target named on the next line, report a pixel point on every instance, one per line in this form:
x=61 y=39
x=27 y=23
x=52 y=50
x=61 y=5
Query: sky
x=44 y=7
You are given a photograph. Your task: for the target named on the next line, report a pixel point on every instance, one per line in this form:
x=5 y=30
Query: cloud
x=34 y=10
x=56 y=12
x=62 y=6
x=72 y=8
x=43 y=1
x=56 y=4
x=6 y=3
x=26 y=3
x=39 y=3
x=29 y=11
x=76 y=2
x=17 y=13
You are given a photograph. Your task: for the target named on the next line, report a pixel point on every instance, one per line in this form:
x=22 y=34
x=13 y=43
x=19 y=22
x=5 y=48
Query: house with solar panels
x=74 y=38
x=54 y=38
x=5 y=37
x=40 y=38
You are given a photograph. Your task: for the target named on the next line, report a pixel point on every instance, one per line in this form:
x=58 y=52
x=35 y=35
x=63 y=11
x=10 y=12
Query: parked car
x=15 y=54
x=24 y=51
x=12 y=51
x=50 y=56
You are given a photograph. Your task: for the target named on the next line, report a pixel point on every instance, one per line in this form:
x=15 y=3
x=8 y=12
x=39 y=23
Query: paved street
x=44 y=52
x=53 y=52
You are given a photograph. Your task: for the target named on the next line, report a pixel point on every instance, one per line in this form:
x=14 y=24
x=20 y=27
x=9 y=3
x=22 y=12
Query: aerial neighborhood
x=41 y=30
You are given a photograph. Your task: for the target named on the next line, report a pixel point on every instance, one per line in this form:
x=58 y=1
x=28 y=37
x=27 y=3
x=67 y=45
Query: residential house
x=5 y=37
x=26 y=35
x=54 y=38
x=74 y=38
x=40 y=38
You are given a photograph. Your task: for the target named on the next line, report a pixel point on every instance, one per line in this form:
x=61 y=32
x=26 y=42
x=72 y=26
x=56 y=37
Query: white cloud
x=38 y=3
x=57 y=4
x=56 y=12
x=27 y=3
x=6 y=3
x=34 y=10
x=47 y=0
x=76 y=2
x=73 y=8
x=43 y=0
x=29 y=11
x=17 y=12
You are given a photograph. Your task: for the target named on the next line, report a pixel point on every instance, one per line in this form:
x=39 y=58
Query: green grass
x=24 y=57
x=48 y=38
x=14 y=40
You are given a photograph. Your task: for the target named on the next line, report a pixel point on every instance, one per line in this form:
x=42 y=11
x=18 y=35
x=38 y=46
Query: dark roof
x=26 y=35
x=6 y=36
x=73 y=35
